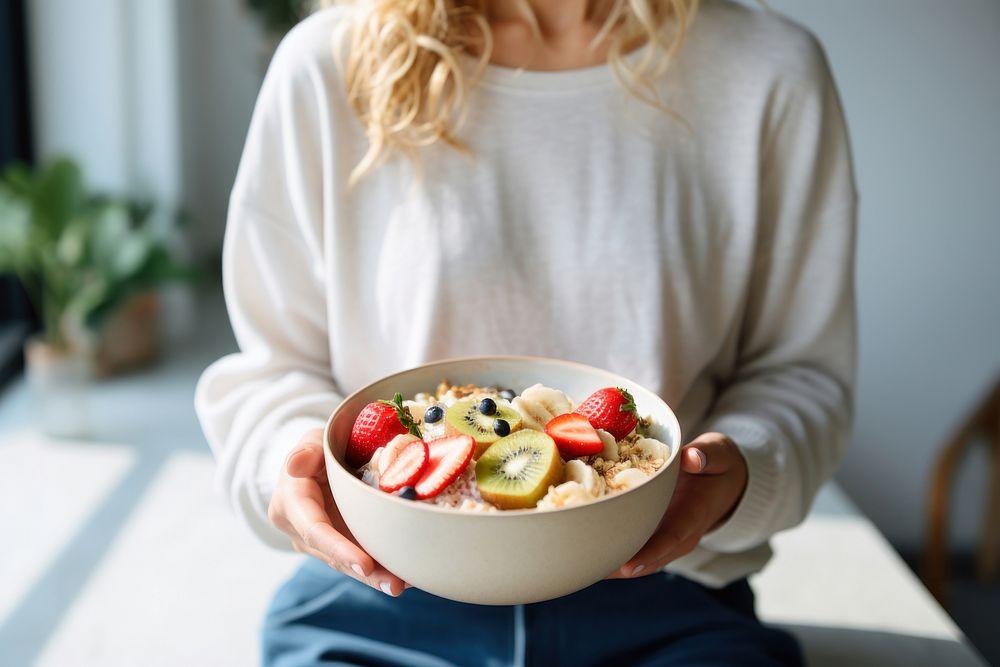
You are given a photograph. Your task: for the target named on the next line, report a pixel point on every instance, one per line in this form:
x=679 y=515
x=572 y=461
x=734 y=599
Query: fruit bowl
x=513 y=556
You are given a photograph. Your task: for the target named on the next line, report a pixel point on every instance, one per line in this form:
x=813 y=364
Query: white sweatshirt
x=711 y=262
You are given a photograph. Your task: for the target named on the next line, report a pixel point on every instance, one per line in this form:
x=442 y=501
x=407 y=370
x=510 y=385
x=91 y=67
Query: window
x=15 y=144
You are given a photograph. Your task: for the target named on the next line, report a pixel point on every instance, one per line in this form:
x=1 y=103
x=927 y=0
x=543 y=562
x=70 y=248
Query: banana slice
x=449 y=399
x=576 y=470
x=417 y=409
x=629 y=478
x=554 y=401
x=650 y=448
x=564 y=495
x=534 y=415
x=538 y=405
x=470 y=505
x=610 y=452
x=370 y=473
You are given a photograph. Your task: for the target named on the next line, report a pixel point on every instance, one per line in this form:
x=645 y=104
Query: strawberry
x=574 y=435
x=392 y=449
x=376 y=425
x=612 y=409
x=402 y=462
x=449 y=455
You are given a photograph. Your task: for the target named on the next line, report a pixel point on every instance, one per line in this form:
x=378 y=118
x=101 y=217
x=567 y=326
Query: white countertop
x=119 y=551
x=176 y=581
x=837 y=583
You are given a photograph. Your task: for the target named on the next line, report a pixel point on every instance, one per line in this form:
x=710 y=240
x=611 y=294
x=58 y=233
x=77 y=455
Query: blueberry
x=407 y=493
x=507 y=394
x=501 y=427
x=488 y=406
x=433 y=414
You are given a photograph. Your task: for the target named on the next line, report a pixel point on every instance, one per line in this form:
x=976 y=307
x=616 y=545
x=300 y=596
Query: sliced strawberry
x=392 y=449
x=402 y=462
x=449 y=456
x=375 y=426
x=611 y=409
x=574 y=435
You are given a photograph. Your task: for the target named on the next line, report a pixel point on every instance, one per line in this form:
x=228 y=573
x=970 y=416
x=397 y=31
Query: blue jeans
x=322 y=617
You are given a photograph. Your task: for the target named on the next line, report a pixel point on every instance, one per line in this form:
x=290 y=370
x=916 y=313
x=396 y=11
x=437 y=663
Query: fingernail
x=357 y=568
x=636 y=570
x=702 y=459
x=386 y=587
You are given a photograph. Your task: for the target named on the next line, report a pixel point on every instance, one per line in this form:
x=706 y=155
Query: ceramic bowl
x=512 y=556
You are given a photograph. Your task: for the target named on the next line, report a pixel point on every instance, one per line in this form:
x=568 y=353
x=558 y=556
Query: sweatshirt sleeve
x=255 y=404
x=788 y=404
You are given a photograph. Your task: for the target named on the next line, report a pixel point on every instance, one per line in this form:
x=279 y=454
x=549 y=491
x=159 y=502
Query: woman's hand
x=302 y=507
x=712 y=479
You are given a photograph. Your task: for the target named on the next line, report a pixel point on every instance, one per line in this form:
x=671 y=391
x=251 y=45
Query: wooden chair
x=982 y=423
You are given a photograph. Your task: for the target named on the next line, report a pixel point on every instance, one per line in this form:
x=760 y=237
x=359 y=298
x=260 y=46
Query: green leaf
x=15 y=234
x=19 y=179
x=183 y=218
x=89 y=298
x=110 y=227
x=133 y=252
x=140 y=212
x=279 y=15
x=161 y=268
x=403 y=413
x=72 y=245
x=629 y=404
x=58 y=195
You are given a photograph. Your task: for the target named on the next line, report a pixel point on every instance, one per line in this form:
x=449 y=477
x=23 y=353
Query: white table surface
x=840 y=587
x=181 y=583
x=118 y=551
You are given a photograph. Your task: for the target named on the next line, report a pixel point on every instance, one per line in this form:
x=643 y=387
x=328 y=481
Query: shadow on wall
x=835 y=647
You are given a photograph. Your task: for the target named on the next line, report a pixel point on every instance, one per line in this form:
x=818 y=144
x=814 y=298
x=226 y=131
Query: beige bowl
x=513 y=556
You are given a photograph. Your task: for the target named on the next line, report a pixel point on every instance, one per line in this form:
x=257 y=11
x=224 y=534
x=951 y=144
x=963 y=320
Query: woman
x=621 y=184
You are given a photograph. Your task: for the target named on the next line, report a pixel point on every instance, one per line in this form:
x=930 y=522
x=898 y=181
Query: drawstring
x=519 y=636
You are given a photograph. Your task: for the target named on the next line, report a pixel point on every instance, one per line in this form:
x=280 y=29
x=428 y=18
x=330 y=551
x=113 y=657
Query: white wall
x=105 y=89
x=920 y=81
x=152 y=86
x=78 y=79
x=153 y=97
x=222 y=66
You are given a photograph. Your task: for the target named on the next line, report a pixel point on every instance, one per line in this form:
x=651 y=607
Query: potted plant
x=81 y=257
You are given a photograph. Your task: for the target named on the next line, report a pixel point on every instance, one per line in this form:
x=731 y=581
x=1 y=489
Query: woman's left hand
x=711 y=481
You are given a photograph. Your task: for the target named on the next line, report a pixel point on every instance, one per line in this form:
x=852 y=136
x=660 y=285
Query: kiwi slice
x=464 y=417
x=517 y=470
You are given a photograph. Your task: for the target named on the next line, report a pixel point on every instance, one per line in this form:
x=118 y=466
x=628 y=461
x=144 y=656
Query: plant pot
x=128 y=340
x=59 y=381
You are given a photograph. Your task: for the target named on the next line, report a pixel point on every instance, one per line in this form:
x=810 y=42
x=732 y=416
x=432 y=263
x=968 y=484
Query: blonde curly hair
x=406 y=83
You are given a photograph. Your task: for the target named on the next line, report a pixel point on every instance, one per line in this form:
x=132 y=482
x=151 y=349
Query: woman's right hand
x=303 y=508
